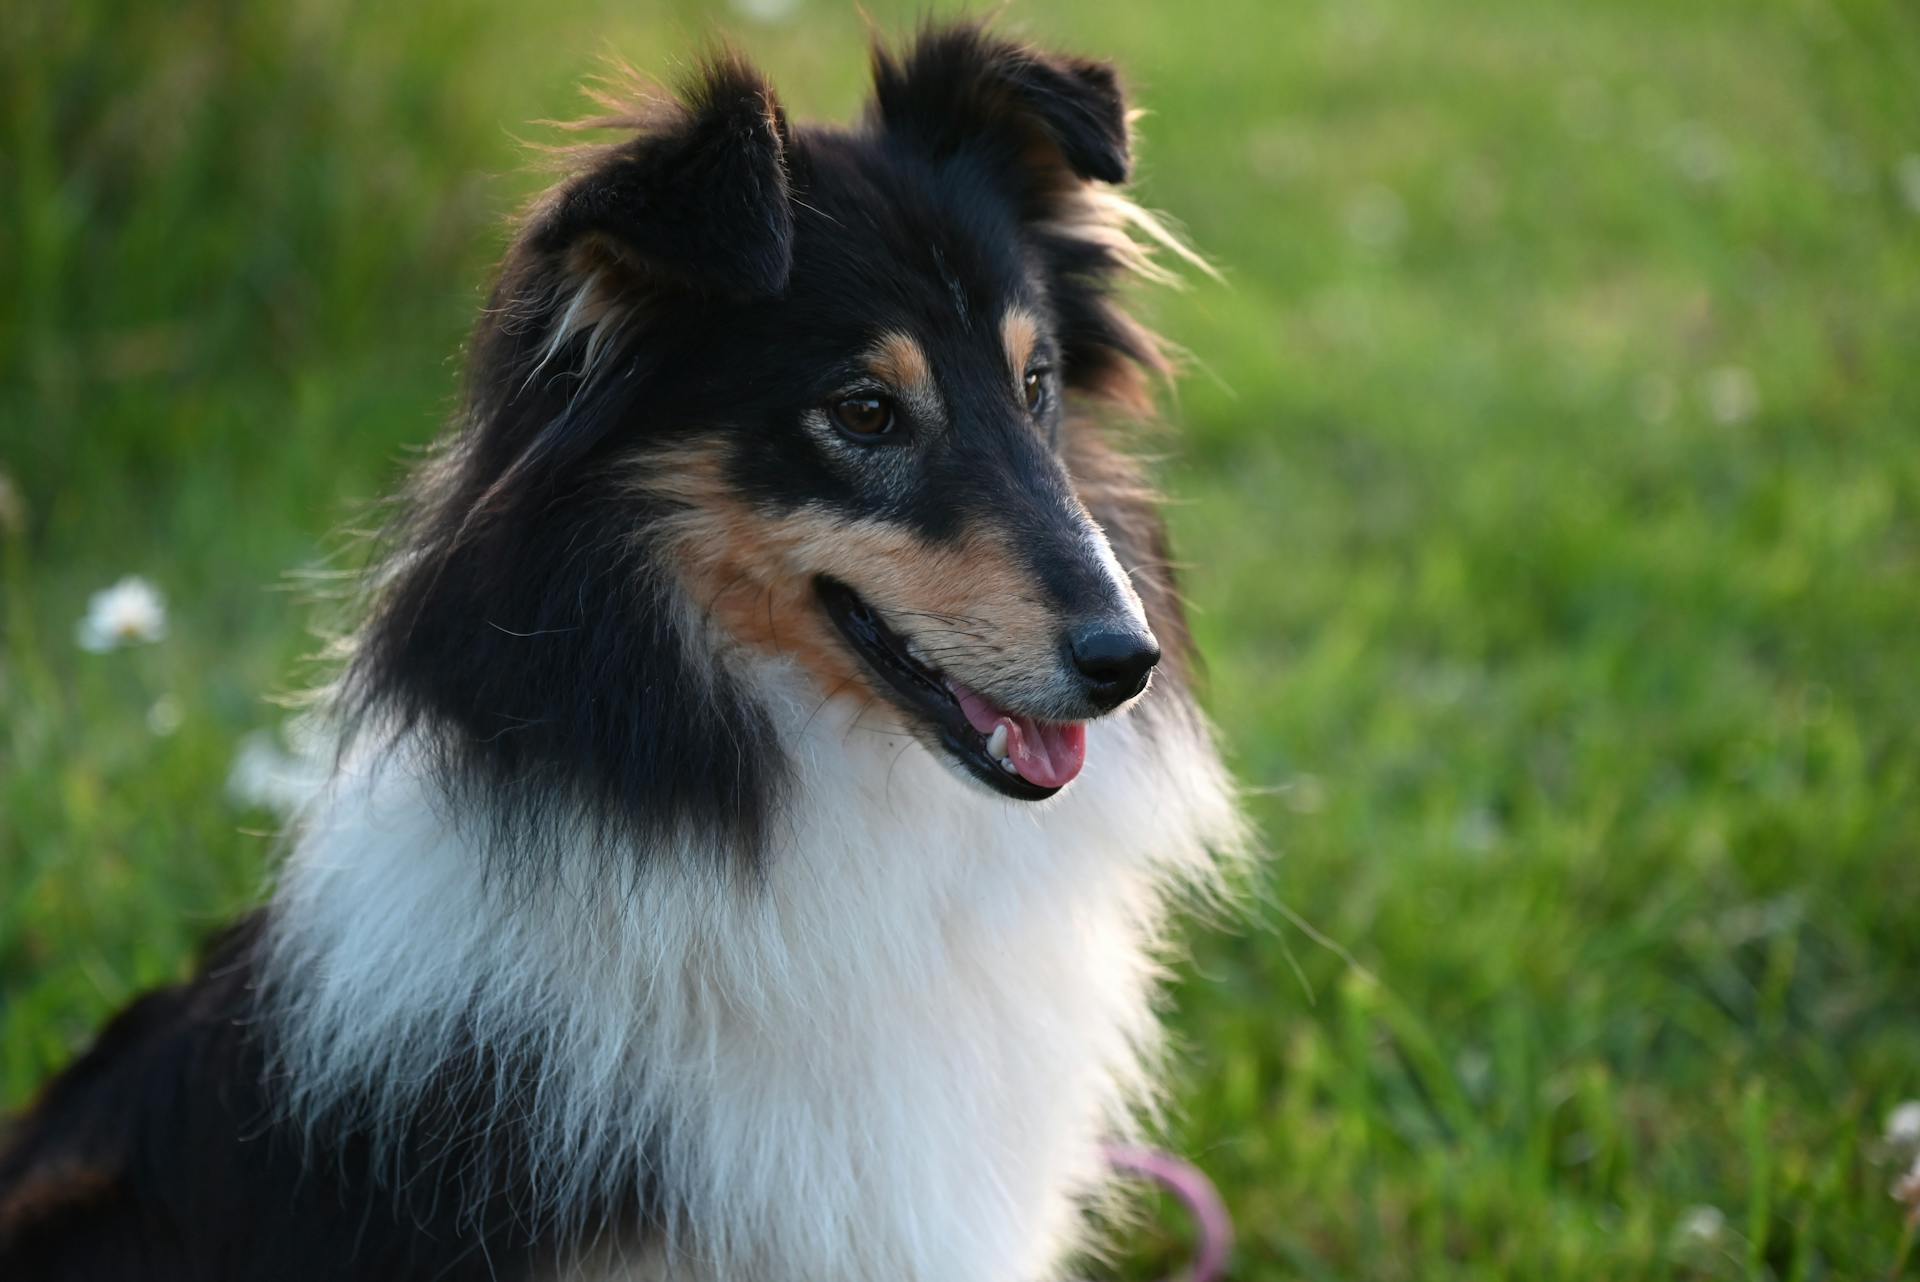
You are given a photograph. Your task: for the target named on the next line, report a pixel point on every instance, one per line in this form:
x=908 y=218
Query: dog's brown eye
x=864 y=415
x=1036 y=392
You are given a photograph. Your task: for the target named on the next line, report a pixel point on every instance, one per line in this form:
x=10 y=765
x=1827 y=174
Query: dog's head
x=817 y=387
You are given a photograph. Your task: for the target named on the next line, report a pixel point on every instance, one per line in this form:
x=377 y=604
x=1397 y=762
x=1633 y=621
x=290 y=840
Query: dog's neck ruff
x=890 y=1053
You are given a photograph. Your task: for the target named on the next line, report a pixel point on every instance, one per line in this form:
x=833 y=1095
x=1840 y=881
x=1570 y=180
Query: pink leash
x=1188 y=1183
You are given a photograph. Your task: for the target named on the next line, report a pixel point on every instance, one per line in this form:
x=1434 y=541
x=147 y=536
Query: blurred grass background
x=1549 y=474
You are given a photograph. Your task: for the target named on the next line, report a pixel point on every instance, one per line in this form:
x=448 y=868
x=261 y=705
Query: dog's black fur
x=160 y=1155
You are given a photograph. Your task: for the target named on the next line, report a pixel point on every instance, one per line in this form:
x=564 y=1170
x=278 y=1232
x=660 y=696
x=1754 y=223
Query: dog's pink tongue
x=1047 y=754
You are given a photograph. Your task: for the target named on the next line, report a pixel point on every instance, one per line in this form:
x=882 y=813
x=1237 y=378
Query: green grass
x=1549 y=474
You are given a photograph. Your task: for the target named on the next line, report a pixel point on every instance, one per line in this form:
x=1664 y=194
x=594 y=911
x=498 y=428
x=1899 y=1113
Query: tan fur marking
x=730 y=562
x=1019 y=334
x=898 y=361
x=969 y=604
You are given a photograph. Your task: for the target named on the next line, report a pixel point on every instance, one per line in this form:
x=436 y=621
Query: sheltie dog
x=762 y=765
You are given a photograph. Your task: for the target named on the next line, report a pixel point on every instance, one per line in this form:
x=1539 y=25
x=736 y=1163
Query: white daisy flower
x=1701 y=1226
x=1903 y=1127
x=131 y=612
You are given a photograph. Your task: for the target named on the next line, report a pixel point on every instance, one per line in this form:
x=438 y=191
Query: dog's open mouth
x=1020 y=756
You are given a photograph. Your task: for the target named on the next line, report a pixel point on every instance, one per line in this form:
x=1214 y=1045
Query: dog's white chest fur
x=894 y=1058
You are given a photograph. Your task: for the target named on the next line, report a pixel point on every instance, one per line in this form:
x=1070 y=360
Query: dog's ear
x=698 y=198
x=958 y=88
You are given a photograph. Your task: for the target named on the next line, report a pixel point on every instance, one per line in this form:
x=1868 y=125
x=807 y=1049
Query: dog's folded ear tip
x=698 y=198
x=959 y=83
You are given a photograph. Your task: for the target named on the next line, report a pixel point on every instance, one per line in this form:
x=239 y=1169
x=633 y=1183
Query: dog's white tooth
x=997 y=742
x=1006 y=764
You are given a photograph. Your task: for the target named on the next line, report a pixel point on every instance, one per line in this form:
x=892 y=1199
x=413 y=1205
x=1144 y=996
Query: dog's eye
x=1036 y=389
x=863 y=416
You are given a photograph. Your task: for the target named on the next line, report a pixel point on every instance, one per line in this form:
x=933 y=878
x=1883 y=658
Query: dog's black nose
x=1116 y=661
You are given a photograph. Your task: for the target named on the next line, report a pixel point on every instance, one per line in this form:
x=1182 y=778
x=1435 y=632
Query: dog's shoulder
x=90 y=1173
x=158 y=1154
